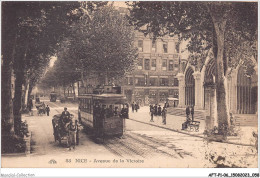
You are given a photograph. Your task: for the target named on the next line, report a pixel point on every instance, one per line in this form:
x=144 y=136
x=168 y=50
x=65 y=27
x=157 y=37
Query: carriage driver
x=65 y=116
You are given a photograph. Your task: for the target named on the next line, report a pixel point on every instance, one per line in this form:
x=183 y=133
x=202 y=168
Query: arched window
x=189 y=87
x=244 y=93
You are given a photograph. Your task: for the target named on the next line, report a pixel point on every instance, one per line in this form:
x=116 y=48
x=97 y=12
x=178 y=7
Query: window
x=176 y=94
x=164 y=64
x=164 y=81
x=130 y=81
x=147 y=64
x=176 y=82
x=140 y=64
x=153 y=65
x=153 y=46
x=126 y=81
x=165 y=47
x=140 y=45
x=153 y=81
x=139 y=81
x=170 y=65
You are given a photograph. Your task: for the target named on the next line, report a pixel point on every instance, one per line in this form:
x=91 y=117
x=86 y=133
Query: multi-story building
x=154 y=78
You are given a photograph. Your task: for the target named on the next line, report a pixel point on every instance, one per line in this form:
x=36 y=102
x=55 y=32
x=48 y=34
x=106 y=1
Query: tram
x=101 y=114
x=53 y=97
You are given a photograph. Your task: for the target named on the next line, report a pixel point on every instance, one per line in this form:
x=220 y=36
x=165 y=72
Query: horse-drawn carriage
x=40 y=106
x=41 y=109
x=65 y=128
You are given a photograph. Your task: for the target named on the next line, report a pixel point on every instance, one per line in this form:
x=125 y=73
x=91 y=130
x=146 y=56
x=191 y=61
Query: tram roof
x=106 y=97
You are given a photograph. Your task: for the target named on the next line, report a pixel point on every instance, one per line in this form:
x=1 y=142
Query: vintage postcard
x=143 y=84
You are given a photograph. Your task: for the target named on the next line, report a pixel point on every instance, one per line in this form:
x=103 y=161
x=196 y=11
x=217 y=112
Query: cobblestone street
x=142 y=140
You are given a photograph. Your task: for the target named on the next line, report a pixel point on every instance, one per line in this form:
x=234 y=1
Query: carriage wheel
x=191 y=128
x=197 y=128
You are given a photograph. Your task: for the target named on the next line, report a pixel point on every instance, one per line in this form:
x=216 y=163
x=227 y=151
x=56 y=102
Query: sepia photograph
x=129 y=84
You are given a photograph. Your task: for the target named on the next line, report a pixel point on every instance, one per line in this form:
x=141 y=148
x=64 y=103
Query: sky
x=119 y=4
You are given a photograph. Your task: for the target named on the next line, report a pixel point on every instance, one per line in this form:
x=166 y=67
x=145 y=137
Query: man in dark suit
x=133 y=107
x=192 y=112
x=187 y=111
x=155 y=110
x=151 y=112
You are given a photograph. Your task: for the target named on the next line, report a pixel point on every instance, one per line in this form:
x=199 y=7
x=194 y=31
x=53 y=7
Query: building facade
x=154 y=78
x=197 y=87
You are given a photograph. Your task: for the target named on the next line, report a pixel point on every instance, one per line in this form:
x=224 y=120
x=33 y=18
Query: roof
x=104 y=95
x=106 y=98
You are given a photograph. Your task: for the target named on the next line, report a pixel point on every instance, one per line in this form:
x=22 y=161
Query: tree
x=223 y=27
x=102 y=42
x=29 y=38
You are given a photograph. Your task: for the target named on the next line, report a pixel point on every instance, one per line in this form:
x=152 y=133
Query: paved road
x=145 y=145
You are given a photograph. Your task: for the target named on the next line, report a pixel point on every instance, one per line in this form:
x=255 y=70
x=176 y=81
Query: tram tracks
x=153 y=147
x=136 y=145
x=179 y=151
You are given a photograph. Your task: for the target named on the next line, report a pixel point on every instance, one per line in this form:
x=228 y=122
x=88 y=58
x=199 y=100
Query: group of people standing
x=158 y=111
x=135 y=107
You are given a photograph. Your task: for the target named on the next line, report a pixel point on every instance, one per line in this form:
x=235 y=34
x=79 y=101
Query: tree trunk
x=29 y=94
x=24 y=96
x=18 y=103
x=7 y=89
x=19 y=74
x=219 y=24
x=82 y=77
x=7 y=104
x=64 y=91
x=74 y=95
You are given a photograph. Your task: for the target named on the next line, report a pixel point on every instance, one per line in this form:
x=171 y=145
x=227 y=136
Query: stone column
x=198 y=91
x=210 y=107
x=181 y=79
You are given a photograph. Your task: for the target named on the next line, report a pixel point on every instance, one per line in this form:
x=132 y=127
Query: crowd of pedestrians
x=158 y=111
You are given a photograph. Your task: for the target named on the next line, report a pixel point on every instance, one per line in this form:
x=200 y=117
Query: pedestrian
x=47 y=110
x=164 y=113
x=127 y=111
x=159 y=110
x=133 y=107
x=73 y=127
x=136 y=107
x=155 y=110
x=151 y=113
x=188 y=112
x=185 y=124
x=151 y=107
x=192 y=112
